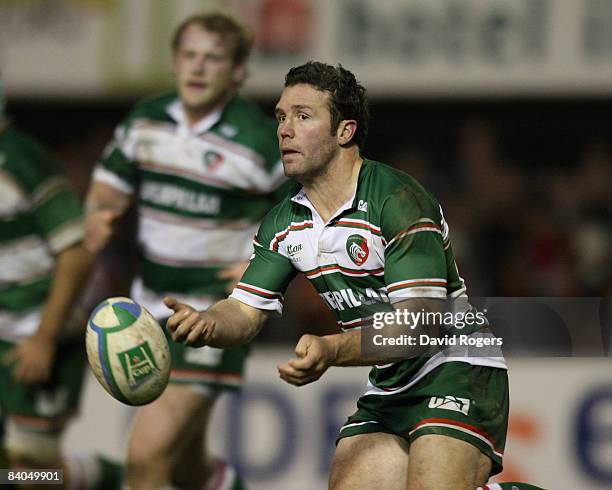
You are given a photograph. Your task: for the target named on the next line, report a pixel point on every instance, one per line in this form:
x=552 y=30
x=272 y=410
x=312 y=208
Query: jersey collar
x=302 y=199
x=352 y=203
x=177 y=112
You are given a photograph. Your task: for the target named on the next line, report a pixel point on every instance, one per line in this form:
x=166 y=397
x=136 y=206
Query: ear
x=239 y=73
x=346 y=131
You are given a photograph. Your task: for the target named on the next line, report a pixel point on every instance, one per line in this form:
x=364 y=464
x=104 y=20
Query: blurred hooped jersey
x=388 y=243
x=40 y=216
x=201 y=193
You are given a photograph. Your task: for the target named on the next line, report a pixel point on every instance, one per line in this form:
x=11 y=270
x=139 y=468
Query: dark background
x=524 y=184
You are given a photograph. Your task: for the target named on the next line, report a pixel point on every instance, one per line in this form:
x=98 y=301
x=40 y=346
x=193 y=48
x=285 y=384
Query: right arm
x=111 y=191
x=228 y=323
x=237 y=320
x=103 y=205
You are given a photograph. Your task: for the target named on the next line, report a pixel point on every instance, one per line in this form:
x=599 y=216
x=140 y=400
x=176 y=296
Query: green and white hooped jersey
x=201 y=193
x=388 y=243
x=40 y=215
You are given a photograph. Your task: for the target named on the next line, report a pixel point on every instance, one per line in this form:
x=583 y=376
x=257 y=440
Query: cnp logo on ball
x=127 y=351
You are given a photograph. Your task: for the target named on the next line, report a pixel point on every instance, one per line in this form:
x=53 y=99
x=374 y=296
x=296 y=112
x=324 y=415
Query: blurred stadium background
x=501 y=108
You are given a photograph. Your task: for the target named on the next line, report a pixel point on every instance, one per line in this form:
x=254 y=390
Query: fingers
x=27 y=373
x=187 y=325
x=178 y=317
x=171 y=302
x=304 y=363
x=181 y=310
x=299 y=372
x=174 y=304
x=296 y=377
x=181 y=324
x=307 y=353
x=287 y=370
x=198 y=334
x=24 y=370
x=309 y=365
x=301 y=349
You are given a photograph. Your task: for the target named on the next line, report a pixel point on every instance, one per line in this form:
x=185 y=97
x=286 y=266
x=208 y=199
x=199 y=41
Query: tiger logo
x=357 y=249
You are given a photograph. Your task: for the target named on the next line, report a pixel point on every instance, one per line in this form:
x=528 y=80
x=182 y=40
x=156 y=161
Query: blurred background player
x=202 y=166
x=43 y=266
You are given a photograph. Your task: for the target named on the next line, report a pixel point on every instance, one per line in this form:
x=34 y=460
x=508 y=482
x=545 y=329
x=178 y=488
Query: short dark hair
x=347 y=96
x=226 y=26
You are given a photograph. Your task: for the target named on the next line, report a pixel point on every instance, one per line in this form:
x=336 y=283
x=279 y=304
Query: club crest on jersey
x=138 y=364
x=212 y=160
x=357 y=248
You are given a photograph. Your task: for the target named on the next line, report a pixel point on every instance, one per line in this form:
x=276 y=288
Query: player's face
x=204 y=69
x=306 y=142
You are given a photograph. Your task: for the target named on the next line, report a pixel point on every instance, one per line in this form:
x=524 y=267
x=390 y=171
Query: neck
x=330 y=190
x=195 y=114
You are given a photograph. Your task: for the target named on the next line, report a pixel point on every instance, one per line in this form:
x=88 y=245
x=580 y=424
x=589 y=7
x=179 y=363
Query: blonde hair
x=240 y=37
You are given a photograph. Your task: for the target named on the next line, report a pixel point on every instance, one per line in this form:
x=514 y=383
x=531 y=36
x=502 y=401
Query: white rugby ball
x=127 y=351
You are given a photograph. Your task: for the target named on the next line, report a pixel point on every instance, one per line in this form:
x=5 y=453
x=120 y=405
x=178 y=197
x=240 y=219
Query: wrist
x=333 y=348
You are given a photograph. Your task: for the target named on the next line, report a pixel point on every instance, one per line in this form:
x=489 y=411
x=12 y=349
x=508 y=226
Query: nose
x=199 y=65
x=285 y=129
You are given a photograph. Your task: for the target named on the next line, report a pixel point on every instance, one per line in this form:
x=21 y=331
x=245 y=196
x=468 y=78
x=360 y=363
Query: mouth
x=288 y=152
x=196 y=85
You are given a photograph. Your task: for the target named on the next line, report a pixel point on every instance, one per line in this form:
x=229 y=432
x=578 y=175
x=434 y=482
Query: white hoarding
x=283 y=437
x=396 y=47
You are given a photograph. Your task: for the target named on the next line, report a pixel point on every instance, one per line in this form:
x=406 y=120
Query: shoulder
x=280 y=219
x=29 y=161
x=152 y=109
x=392 y=190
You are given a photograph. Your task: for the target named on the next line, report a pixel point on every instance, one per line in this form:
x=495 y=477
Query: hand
x=33 y=360
x=314 y=355
x=233 y=274
x=187 y=325
x=99 y=228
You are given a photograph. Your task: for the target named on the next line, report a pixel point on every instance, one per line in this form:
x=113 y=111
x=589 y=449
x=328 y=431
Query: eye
x=280 y=117
x=303 y=116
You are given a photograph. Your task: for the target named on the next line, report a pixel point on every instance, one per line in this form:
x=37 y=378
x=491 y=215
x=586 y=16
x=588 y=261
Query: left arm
x=316 y=354
x=35 y=355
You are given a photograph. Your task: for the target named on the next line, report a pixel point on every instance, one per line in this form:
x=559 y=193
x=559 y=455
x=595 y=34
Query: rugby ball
x=127 y=351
